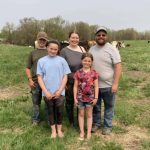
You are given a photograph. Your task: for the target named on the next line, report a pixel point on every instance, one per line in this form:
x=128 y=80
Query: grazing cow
x=84 y=44
x=118 y=44
x=35 y=44
x=91 y=43
x=128 y=45
x=63 y=44
x=81 y=43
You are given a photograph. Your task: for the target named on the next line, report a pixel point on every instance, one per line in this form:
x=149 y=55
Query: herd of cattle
x=88 y=44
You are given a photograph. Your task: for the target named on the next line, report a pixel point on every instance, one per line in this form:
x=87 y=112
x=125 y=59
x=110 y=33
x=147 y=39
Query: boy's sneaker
x=106 y=131
x=94 y=129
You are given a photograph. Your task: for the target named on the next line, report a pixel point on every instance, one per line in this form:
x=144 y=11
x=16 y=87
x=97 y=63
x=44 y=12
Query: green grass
x=12 y=61
x=132 y=105
x=145 y=144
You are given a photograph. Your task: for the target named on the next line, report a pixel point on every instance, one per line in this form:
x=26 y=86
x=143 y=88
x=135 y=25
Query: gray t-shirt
x=73 y=58
x=104 y=59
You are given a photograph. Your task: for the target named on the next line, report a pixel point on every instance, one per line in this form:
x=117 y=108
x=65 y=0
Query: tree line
x=58 y=28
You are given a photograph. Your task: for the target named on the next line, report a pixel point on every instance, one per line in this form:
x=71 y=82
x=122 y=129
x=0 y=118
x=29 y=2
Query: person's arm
x=117 y=75
x=29 y=76
x=43 y=87
x=62 y=86
x=75 y=90
x=96 y=90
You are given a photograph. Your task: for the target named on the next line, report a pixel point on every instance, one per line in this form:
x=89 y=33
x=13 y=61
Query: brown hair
x=54 y=42
x=87 y=55
x=70 y=33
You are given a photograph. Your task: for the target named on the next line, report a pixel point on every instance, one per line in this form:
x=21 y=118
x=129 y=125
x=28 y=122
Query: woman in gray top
x=72 y=53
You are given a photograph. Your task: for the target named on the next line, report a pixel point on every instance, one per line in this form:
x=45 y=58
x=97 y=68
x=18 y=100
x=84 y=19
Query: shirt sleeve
x=29 y=61
x=116 y=58
x=75 y=76
x=62 y=54
x=66 y=67
x=96 y=75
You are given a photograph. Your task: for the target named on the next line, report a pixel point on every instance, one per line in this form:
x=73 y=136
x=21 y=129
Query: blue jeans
x=108 y=98
x=36 y=100
x=82 y=105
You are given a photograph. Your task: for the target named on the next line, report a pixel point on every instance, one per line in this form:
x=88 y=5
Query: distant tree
x=7 y=32
x=92 y=31
x=126 y=34
x=54 y=27
x=58 y=28
x=83 y=29
x=147 y=35
x=28 y=30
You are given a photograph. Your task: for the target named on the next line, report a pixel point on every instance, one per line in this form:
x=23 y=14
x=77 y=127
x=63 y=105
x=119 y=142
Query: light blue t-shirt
x=52 y=69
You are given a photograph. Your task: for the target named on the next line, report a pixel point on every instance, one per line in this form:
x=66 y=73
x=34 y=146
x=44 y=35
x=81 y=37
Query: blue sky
x=113 y=14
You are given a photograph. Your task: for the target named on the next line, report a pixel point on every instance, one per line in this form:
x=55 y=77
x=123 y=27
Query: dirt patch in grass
x=13 y=92
x=140 y=102
x=136 y=74
x=131 y=140
x=14 y=130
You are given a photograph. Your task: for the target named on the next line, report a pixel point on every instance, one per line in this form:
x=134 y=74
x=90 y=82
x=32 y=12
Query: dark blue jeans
x=108 y=98
x=36 y=100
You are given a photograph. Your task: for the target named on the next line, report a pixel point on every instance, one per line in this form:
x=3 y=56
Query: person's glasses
x=101 y=35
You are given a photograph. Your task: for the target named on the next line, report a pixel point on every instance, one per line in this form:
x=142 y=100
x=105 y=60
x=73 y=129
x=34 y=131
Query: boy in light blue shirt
x=52 y=73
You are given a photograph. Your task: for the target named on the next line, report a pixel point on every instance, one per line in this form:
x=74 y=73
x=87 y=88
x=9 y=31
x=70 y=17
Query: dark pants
x=55 y=110
x=36 y=100
x=70 y=103
x=108 y=97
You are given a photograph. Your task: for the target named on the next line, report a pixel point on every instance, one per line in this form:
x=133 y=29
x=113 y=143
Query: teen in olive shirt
x=31 y=68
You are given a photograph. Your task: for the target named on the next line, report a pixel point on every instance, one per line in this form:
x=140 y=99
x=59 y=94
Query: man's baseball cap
x=101 y=29
x=42 y=35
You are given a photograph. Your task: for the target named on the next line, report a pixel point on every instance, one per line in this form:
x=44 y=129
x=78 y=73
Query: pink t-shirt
x=85 y=91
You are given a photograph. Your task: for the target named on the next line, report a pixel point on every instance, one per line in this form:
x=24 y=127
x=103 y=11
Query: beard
x=101 y=43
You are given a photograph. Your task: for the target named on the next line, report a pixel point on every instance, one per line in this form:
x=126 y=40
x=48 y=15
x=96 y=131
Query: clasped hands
x=53 y=96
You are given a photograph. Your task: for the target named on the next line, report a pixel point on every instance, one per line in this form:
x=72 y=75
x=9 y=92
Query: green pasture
x=132 y=112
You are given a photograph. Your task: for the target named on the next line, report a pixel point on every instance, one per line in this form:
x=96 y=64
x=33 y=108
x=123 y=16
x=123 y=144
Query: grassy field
x=132 y=112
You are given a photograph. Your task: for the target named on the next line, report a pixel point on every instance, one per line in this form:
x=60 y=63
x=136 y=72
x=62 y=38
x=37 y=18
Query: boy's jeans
x=36 y=99
x=109 y=101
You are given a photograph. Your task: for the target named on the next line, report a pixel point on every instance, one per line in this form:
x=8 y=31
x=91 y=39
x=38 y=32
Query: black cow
x=81 y=43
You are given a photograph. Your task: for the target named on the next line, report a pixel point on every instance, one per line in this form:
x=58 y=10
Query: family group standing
x=81 y=79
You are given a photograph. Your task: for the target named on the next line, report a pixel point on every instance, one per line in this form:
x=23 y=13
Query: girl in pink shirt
x=85 y=93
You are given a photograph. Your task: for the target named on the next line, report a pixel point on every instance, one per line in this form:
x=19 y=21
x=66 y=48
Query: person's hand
x=57 y=94
x=76 y=102
x=114 y=88
x=31 y=84
x=94 y=101
x=49 y=96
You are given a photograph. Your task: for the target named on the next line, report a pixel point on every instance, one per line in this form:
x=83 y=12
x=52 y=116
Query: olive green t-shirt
x=33 y=58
